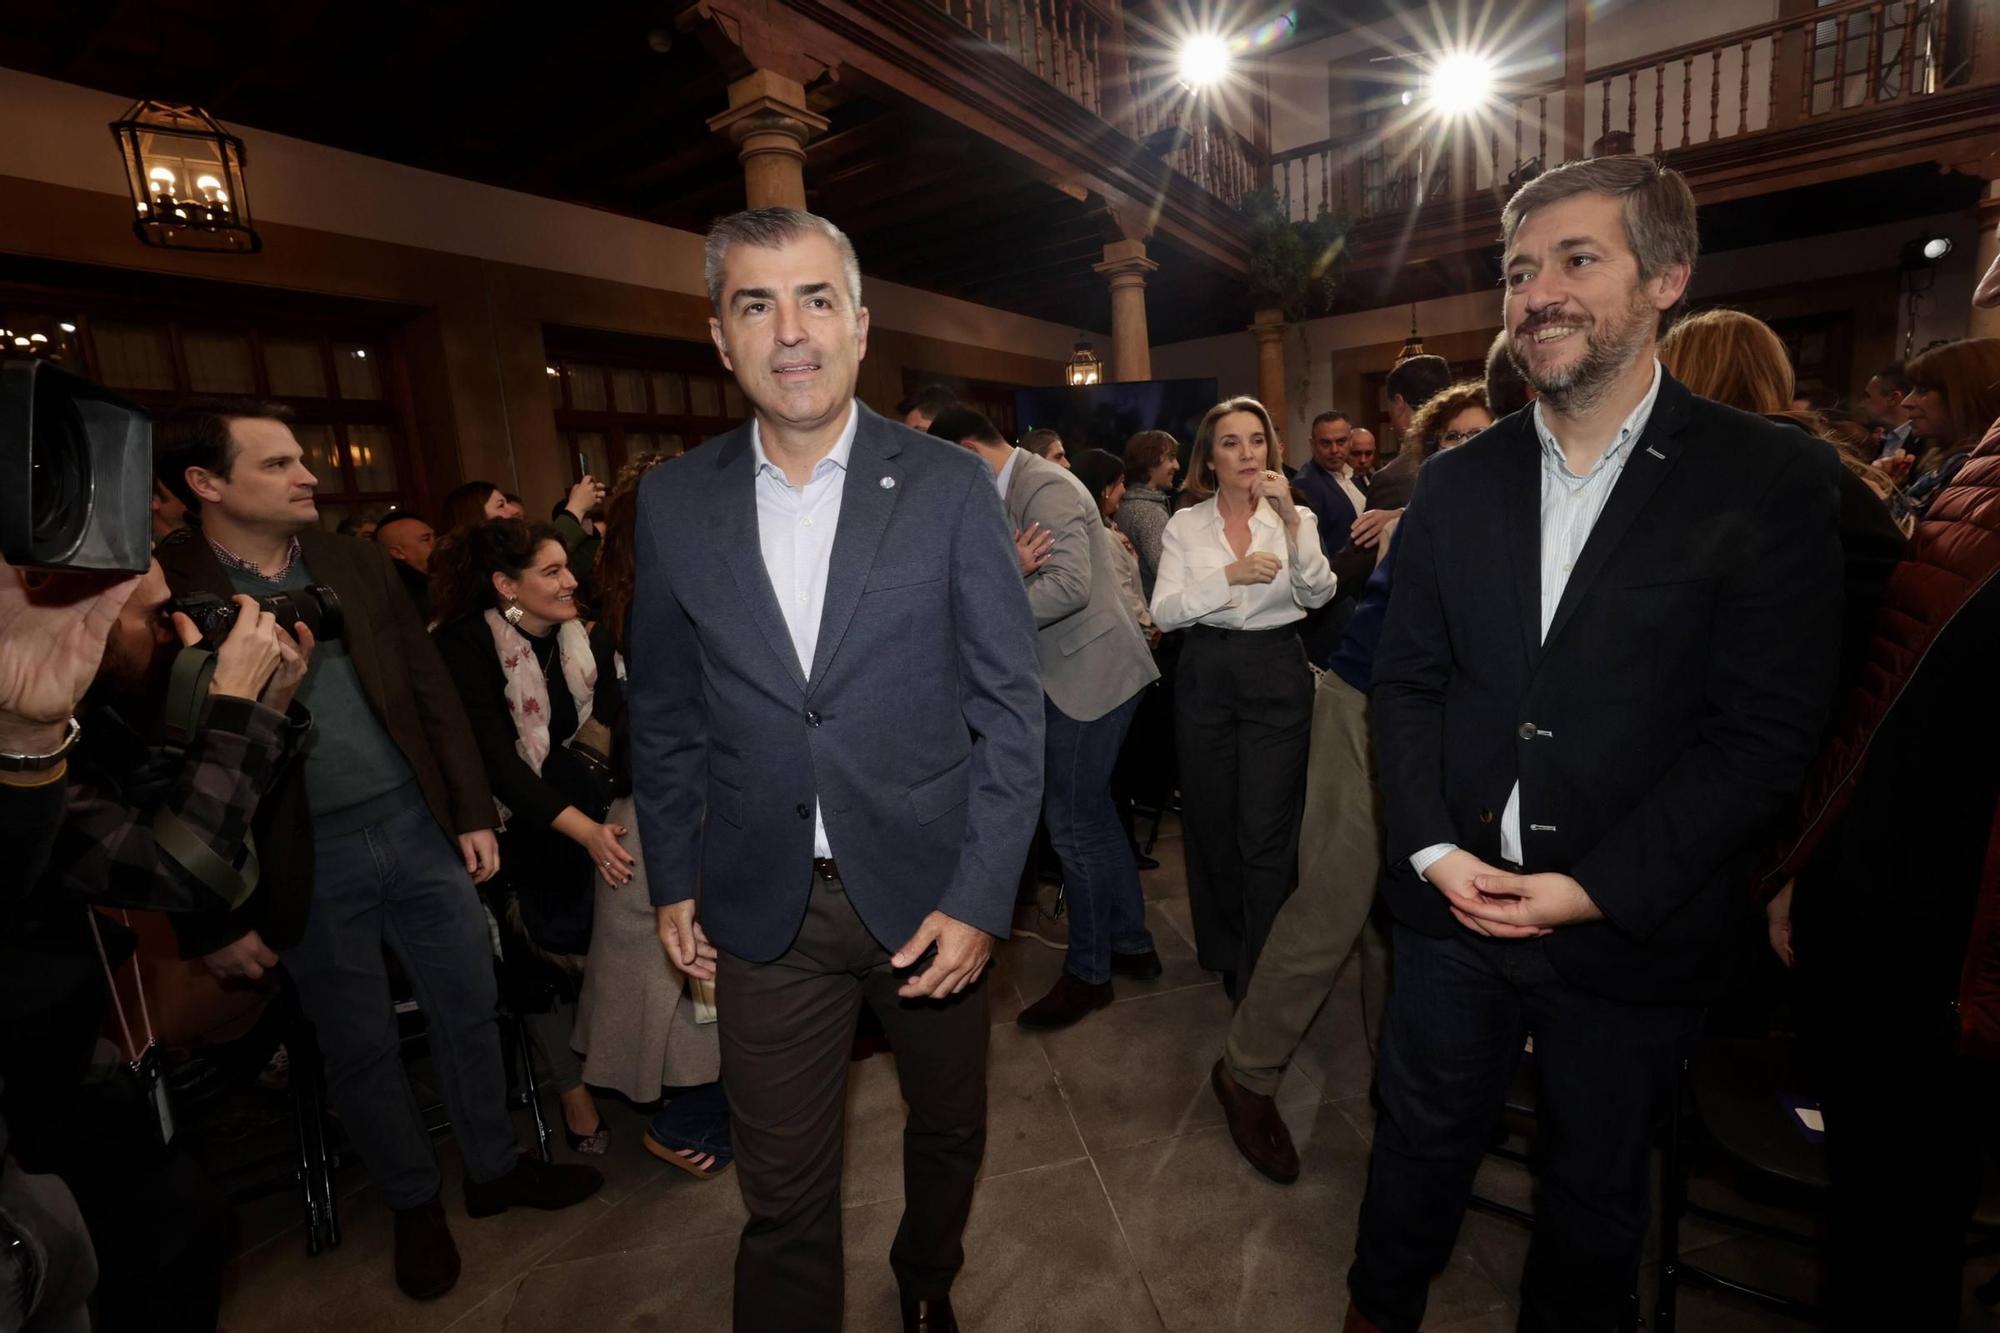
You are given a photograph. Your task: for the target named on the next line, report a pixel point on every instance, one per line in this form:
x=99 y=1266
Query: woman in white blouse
x=1239 y=569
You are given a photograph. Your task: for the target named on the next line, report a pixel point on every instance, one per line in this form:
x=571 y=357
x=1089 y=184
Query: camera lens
x=59 y=477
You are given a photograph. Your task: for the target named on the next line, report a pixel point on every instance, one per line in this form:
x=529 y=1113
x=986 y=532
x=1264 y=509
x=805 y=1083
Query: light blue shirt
x=1571 y=505
x=795 y=531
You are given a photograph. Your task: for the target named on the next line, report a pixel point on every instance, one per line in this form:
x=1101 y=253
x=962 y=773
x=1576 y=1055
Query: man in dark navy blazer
x=1601 y=677
x=836 y=735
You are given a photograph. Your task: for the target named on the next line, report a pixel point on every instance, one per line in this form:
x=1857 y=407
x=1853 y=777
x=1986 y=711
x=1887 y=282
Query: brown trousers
x=786 y=1030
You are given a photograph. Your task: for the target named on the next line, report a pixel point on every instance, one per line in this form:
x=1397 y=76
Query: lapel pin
x=1656 y=453
x=888 y=483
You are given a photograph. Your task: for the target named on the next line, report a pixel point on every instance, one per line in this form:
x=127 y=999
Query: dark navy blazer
x=919 y=731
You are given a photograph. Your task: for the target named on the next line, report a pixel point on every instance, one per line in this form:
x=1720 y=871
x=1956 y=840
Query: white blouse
x=1192 y=587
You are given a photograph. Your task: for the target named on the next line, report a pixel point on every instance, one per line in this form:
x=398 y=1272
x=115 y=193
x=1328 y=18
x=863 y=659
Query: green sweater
x=354 y=770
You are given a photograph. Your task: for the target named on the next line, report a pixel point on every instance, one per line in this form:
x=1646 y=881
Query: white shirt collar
x=1633 y=427
x=1006 y=472
x=837 y=455
x=1262 y=516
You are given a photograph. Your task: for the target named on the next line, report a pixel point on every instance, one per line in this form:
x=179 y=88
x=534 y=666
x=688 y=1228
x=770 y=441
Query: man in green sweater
x=377 y=839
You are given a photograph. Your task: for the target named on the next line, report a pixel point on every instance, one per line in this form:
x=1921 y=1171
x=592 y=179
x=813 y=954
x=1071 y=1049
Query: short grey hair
x=1658 y=206
x=769 y=228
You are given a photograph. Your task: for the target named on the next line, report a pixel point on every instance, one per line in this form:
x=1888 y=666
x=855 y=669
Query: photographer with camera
x=376 y=840
x=112 y=815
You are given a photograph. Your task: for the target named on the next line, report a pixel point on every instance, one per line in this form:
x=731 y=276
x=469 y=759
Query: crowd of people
x=1622 y=662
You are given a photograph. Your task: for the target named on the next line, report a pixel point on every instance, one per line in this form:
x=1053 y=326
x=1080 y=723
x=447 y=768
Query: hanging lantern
x=1084 y=367
x=1414 y=344
x=185 y=174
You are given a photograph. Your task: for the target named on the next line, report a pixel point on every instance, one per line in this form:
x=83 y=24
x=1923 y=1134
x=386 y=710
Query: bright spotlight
x=1204 y=61
x=1461 y=83
x=1937 y=247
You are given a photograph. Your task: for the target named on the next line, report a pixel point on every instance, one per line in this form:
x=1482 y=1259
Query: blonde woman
x=1239 y=568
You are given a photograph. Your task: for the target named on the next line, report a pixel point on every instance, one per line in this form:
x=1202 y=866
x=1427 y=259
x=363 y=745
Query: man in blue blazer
x=836 y=732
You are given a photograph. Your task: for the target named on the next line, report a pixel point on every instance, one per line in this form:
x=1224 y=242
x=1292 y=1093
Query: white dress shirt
x=795 y=530
x=1192 y=587
x=1896 y=440
x=1571 y=505
x=1345 y=478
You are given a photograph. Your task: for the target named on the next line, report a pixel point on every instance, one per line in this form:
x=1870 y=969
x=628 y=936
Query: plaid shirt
x=106 y=851
x=230 y=560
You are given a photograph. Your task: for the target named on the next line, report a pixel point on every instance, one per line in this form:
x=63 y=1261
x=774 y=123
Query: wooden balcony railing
x=1841 y=60
x=1062 y=41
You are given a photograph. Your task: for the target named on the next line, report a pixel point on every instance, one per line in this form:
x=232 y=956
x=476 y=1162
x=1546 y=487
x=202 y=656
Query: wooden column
x=1126 y=265
x=769 y=123
x=1576 y=79
x=1268 y=328
x=1986 y=323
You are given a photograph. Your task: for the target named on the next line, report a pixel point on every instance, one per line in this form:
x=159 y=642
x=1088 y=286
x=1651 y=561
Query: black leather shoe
x=426 y=1255
x=1144 y=862
x=1067 y=1001
x=930 y=1315
x=1138 y=966
x=533 y=1183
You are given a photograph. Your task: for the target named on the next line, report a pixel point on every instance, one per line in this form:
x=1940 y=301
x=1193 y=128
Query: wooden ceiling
x=606 y=104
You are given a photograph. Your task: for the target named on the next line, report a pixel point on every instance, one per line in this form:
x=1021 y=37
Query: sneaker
x=1033 y=922
x=533 y=1183
x=426 y=1255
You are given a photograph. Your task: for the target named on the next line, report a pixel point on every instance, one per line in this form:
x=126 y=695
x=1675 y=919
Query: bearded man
x=1599 y=680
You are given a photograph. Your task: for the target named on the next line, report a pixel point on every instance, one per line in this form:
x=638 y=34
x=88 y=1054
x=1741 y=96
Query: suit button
x=812 y=718
x=805 y=811
x=1486 y=816
x=1526 y=731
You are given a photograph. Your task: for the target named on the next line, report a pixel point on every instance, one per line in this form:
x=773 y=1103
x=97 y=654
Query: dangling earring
x=513 y=612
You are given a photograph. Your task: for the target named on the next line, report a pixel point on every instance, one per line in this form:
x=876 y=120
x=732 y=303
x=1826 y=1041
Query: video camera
x=314 y=606
x=76 y=472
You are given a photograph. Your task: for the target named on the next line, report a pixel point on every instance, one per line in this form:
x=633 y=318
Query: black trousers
x=1458 y=1015
x=1242 y=719
x=786 y=1029
x=1906 y=1118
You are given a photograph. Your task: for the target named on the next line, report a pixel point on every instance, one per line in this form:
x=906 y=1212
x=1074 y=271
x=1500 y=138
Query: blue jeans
x=1459 y=1012
x=400 y=881
x=1107 y=913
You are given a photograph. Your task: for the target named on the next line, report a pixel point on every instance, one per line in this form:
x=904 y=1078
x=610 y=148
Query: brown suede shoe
x=426 y=1257
x=1256 y=1126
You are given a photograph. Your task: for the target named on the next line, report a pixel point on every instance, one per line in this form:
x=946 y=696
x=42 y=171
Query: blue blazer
x=919 y=731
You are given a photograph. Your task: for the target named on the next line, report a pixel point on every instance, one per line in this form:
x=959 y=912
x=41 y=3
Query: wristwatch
x=41 y=763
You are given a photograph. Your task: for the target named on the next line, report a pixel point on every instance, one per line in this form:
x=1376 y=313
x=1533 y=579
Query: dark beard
x=1607 y=353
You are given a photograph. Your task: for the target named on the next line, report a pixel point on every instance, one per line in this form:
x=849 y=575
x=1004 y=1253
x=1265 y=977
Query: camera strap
x=142 y=1062
x=187 y=698
x=187 y=695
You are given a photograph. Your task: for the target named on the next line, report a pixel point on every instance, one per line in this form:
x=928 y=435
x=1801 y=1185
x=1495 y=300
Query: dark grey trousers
x=787 y=1027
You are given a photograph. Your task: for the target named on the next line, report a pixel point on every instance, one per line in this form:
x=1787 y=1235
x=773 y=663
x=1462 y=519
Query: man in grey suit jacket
x=1095 y=666
x=831 y=655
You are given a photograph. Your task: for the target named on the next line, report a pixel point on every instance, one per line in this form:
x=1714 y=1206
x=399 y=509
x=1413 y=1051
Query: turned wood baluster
x=1714 y=93
x=1771 y=97
x=1604 y=120
x=1632 y=105
x=1041 y=70
x=1743 y=95
x=1659 y=108
x=1072 y=62
x=1687 y=97
x=1517 y=138
x=1542 y=129
x=1097 y=69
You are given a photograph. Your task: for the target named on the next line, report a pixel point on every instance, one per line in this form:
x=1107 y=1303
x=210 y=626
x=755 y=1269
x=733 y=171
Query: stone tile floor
x=1112 y=1200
